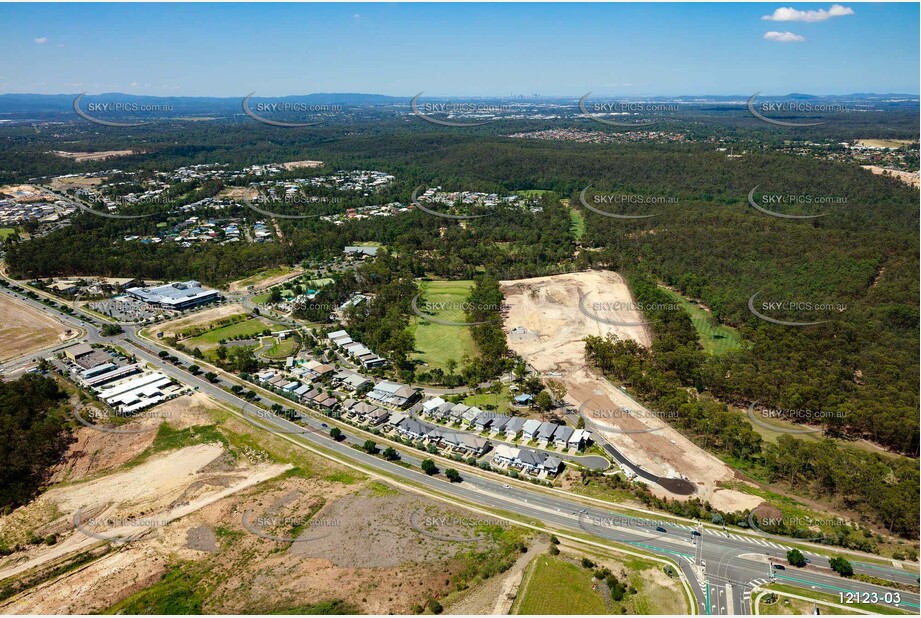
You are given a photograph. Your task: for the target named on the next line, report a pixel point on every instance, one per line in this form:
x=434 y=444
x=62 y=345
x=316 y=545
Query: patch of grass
x=180 y=591
x=501 y=402
x=578 y=223
x=342 y=476
x=554 y=586
x=248 y=328
x=437 y=343
x=336 y=607
x=6 y=231
x=282 y=349
x=717 y=339
x=169 y=439
x=380 y=489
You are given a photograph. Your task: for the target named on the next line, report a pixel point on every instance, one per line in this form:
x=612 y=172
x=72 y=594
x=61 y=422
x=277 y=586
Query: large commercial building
x=178 y=296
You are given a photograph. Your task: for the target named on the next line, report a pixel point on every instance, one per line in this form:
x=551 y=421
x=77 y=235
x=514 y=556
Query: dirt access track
x=546 y=323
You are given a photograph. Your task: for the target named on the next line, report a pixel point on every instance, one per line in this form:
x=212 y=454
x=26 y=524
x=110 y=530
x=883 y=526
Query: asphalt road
x=734 y=563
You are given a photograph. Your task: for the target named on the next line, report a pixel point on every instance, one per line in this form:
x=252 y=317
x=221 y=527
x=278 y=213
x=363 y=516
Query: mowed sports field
x=436 y=344
x=24 y=329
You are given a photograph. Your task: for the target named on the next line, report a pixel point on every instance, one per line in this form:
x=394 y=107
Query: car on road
x=695 y=533
x=507 y=486
x=779 y=567
x=660 y=529
x=324 y=425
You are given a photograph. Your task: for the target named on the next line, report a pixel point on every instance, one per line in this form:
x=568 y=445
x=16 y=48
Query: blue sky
x=458 y=49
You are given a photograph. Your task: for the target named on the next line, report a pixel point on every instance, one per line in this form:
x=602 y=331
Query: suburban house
x=513 y=426
x=529 y=429
x=413 y=428
x=579 y=439
x=393 y=394
x=461 y=441
x=431 y=406
x=561 y=436
x=499 y=421
x=350 y=381
x=546 y=431
x=527 y=460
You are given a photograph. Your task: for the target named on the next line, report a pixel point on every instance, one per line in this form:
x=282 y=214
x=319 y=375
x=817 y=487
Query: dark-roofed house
x=461 y=440
x=552 y=465
x=546 y=431
x=499 y=421
x=412 y=428
x=530 y=460
x=561 y=435
x=513 y=426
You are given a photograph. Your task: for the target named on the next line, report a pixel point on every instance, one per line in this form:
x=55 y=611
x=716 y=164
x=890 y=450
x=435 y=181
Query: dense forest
x=35 y=430
x=671 y=376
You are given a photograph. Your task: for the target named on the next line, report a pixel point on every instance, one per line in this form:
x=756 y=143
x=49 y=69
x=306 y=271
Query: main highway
x=722 y=567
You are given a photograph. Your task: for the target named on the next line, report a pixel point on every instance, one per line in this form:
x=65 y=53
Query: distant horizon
x=427 y=95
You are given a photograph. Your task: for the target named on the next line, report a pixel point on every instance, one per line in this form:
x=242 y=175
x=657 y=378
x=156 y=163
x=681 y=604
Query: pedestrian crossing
x=747 y=539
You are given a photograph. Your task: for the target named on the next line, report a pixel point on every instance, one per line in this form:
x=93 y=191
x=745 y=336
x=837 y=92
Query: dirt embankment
x=547 y=320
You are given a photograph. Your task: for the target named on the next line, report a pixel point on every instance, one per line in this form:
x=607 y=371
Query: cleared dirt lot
x=548 y=309
x=80 y=157
x=24 y=329
x=912 y=179
x=351 y=539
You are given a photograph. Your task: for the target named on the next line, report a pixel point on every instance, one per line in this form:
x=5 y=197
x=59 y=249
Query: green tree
x=390 y=454
x=428 y=466
x=841 y=566
x=370 y=446
x=335 y=433
x=453 y=475
x=795 y=558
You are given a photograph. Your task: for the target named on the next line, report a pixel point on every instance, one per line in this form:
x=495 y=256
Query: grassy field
x=501 y=401
x=554 y=586
x=438 y=343
x=716 y=339
x=6 y=231
x=210 y=339
x=282 y=349
x=578 y=223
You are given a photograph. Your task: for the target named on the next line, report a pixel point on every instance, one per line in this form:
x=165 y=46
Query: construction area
x=547 y=320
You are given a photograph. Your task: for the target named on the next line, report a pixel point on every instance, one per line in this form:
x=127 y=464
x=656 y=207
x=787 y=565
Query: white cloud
x=783 y=37
x=791 y=14
x=41 y=40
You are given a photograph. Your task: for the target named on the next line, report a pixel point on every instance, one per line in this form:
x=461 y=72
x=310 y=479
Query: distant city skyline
x=476 y=50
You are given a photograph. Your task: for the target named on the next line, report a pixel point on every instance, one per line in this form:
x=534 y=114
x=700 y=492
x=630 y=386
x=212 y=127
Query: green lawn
x=210 y=339
x=6 y=231
x=578 y=223
x=438 y=343
x=554 y=586
x=717 y=339
x=282 y=349
x=501 y=401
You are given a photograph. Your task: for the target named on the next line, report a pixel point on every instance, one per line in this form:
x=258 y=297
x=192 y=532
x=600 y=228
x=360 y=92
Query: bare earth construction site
x=546 y=326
